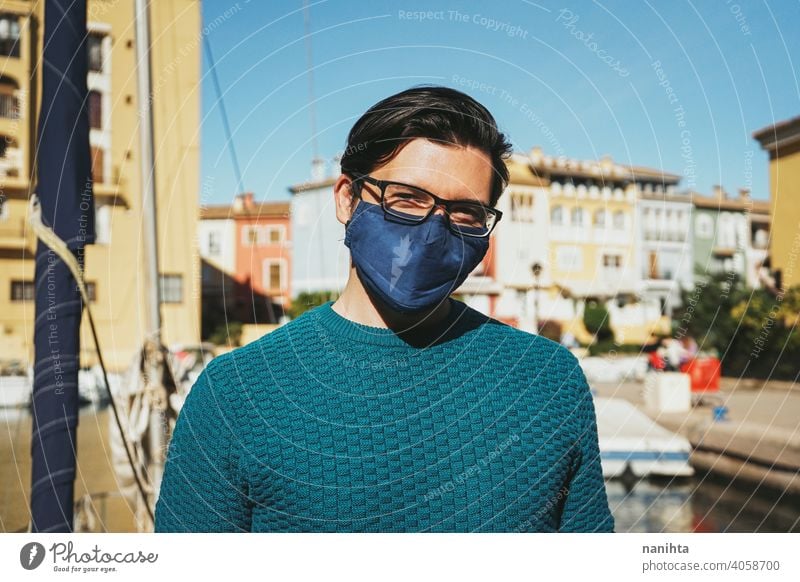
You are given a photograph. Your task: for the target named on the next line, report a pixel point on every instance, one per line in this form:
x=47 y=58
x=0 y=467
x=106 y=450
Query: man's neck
x=356 y=305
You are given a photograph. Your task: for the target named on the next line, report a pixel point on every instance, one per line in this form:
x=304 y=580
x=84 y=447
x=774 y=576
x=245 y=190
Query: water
x=702 y=503
x=696 y=504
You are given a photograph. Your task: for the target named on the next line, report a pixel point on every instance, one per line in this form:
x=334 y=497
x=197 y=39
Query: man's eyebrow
x=473 y=200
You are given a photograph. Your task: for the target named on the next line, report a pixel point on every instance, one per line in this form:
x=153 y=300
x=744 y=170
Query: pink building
x=246 y=260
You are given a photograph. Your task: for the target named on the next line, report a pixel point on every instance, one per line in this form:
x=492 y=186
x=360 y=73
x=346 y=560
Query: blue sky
x=674 y=85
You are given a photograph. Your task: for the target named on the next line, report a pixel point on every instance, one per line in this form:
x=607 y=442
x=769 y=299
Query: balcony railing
x=9 y=106
x=11 y=163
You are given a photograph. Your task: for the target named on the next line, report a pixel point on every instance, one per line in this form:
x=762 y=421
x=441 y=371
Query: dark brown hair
x=432 y=112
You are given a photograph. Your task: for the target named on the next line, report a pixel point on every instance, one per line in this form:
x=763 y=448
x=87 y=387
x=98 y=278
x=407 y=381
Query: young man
x=396 y=408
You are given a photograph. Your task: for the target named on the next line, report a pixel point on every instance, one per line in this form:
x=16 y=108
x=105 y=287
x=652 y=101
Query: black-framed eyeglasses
x=414 y=205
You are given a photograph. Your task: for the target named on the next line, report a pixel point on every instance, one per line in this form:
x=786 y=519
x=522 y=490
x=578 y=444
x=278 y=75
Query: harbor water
x=701 y=503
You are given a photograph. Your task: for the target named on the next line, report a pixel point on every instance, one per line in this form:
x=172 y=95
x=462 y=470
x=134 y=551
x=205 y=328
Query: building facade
x=572 y=237
x=782 y=143
x=664 y=242
x=246 y=253
x=320 y=261
x=114 y=265
x=730 y=235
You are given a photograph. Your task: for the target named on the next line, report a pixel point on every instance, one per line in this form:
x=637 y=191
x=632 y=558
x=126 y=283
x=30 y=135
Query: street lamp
x=536 y=269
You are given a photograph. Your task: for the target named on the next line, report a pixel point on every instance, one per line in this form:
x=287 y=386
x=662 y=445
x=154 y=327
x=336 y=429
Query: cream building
x=577 y=220
x=114 y=265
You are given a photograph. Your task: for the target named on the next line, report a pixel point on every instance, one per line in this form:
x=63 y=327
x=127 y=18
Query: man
x=396 y=408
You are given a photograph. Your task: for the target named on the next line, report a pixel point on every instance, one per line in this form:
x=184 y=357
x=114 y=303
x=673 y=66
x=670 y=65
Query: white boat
x=15 y=391
x=628 y=438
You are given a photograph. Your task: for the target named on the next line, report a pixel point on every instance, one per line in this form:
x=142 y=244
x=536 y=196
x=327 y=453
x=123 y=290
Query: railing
x=11 y=163
x=9 y=107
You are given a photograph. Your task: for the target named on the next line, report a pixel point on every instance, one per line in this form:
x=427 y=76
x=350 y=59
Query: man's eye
x=408 y=198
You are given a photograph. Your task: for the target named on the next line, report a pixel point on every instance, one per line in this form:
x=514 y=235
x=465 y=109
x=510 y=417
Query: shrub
x=597 y=322
x=305 y=301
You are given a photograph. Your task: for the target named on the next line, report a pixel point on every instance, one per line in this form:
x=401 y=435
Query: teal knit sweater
x=327 y=425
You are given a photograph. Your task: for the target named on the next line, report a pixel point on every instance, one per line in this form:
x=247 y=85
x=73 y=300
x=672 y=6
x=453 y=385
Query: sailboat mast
x=65 y=191
x=158 y=436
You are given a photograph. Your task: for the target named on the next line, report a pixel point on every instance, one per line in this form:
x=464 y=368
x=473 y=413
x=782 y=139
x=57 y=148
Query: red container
x=704 y=373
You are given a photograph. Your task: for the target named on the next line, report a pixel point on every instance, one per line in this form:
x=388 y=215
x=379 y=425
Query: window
x=612 y=261
x=275 y=234
x=557 y=215
x=250 y=236
x=726 y=233
x=600 y=217
x=91 y=291
x=214 y=243
x=522 y=207
x=760 y=240
x=576 y=216
x=95 y=110
x=9 y=106
x=102 y=224
x=704 y=225
x=95 y=47
x=273 y=274
x=171 y=288
x=681 y=222
x=619 y=220
x=663 y=264
x=9 y=35
x=569 y=258
x=97 y=165
x=652 y=270
x=22 y=291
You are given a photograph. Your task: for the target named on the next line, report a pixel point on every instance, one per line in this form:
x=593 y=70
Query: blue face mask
x=410 y=267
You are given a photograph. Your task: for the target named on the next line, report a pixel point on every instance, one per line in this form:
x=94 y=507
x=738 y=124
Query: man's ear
x=343 y=198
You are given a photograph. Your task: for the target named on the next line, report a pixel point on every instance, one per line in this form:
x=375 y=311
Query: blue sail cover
x=65 y=191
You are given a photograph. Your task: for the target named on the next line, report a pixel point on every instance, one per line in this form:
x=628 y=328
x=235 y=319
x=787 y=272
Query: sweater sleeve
x=201 y=490
x=586 y=507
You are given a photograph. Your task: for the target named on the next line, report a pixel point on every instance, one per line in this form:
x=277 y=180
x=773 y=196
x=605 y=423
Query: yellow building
x=782 y=141
x=114 y=265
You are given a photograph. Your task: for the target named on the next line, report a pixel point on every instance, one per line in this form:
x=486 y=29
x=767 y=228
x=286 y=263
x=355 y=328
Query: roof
x=779 y=135
x=520 y=172
x=605 y=169
x=265 y=209
x=313 y=185
x=742 y=204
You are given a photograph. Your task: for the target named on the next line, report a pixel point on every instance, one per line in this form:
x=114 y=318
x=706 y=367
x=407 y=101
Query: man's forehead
x=460 y=173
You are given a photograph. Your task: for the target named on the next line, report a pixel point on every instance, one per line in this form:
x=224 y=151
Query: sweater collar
x=337 y=325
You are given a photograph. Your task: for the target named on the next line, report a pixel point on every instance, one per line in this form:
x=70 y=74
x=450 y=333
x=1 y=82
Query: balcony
x=11 y=163
x=9 y=106
x=658 y=275
x=13 y=233
x=113 y=190
x=12 y=176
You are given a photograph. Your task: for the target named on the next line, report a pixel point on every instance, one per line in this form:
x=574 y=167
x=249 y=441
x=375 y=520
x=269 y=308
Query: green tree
x=305 y=301
x=597 y=321
x=706 y=311
x=754 y=332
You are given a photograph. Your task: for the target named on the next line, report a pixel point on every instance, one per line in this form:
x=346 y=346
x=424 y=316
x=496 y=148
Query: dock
x=758 y=440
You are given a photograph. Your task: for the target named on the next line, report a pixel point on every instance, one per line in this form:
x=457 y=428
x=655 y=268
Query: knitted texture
x=327 y=425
